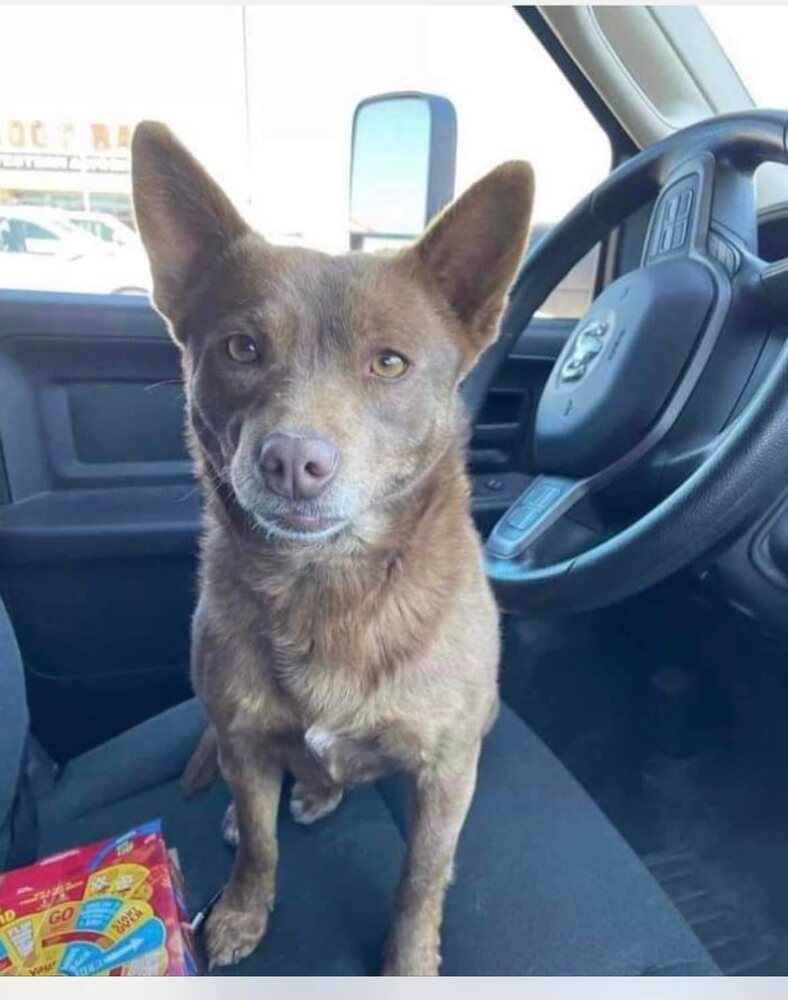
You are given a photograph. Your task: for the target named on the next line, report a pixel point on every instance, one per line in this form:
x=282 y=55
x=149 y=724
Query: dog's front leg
x=238 y=921
x=442 y=794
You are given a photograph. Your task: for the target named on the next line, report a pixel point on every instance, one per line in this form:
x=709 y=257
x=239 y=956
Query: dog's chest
x=341 y=664
x=353 y=735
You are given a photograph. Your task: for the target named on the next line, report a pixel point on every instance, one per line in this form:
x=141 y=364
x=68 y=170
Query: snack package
x=114 y=908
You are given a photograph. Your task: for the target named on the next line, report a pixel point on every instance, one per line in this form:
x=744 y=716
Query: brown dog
x=345 y=627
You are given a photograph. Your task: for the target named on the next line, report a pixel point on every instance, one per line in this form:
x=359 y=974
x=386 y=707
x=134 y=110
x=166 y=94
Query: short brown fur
x=373 y=648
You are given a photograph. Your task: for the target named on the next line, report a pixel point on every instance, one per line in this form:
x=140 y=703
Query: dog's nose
x=298 y=466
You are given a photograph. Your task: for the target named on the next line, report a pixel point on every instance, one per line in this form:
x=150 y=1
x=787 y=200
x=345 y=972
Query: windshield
x=753 y=36
x=273 y=120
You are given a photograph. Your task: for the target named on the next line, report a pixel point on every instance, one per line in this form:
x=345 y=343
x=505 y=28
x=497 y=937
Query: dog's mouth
x=298 y=526
x=307 y=523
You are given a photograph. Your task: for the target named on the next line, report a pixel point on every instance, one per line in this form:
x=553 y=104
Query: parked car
x=105 y=227
x=42 y=250
x=42 y=231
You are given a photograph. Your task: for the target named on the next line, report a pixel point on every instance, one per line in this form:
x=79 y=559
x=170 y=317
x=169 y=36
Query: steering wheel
x=669 y=401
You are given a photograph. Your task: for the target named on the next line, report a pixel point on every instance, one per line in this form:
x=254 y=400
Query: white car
x=105 y=227
x=40 y=250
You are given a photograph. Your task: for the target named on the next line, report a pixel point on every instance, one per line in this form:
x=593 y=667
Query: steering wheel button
x=679 y=234
x=523 y=516
x=671 y=208
x=666 y=242
x=726 y=255
x=685 y=204
x=508 y=532
x=531 y=507
x=543 y=495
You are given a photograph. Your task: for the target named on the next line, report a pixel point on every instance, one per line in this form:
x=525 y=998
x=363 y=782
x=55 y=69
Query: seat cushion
x=544 y=884
x=14 y=722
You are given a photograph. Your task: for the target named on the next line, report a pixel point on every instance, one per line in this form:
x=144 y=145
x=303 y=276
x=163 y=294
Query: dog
x=345 y=627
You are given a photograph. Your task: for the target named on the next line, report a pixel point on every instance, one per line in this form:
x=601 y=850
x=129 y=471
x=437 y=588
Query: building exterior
x=66 y=163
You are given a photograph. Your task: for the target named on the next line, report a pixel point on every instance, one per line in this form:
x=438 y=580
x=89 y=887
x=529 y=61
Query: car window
x=273 y=118
x=34 y=239
x=6 y=236
x=30 y=231
x=755 y=45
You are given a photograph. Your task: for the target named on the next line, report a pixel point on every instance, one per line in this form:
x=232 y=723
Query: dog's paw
x=323 y=745
x=231 y=935
x=308 y=803
x=230 y=827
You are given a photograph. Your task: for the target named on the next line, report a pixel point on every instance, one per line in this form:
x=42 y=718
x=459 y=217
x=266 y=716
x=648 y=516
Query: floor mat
x=679 y=735
x=713 y=829
x=724 y=930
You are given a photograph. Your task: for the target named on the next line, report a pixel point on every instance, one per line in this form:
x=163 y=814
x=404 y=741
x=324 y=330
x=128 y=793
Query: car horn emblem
x=588 y=345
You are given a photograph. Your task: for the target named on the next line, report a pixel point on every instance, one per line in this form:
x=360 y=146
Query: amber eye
x=241 y=348
x=389 y=365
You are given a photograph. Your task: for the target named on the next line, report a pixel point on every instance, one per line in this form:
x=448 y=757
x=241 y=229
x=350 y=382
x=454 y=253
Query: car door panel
x=100 y=515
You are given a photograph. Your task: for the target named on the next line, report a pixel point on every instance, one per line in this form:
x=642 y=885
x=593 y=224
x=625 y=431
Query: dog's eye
x=389 y=365
x=241 y=348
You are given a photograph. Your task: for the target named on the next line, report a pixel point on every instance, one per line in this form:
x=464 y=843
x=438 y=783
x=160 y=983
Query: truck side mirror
x=403 y=159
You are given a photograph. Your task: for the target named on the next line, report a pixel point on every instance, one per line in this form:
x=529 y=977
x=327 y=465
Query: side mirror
x=402 y=168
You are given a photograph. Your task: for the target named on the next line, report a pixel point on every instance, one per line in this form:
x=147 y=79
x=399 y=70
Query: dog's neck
x=328 y=602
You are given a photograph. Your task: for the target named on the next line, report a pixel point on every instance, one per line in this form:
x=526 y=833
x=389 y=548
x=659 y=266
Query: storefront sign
x=73 y=147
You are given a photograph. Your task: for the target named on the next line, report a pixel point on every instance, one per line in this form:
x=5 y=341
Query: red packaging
x=114 y=908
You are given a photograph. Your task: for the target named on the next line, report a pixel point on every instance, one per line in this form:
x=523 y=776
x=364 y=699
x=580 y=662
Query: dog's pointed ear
x=471 y=252
x=184 y=218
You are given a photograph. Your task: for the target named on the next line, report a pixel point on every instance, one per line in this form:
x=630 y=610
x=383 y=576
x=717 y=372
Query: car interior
x=628 y=462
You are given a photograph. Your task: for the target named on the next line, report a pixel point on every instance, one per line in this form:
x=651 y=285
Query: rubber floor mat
x=727 y=935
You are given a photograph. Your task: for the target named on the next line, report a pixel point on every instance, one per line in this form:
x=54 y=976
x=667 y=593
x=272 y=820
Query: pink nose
x=298 y=466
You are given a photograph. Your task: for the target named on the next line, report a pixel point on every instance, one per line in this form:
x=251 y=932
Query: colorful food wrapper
x=114 y=908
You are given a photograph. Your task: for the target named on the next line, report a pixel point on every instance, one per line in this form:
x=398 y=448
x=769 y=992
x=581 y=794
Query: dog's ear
x=471 y=252
x=184 y=218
